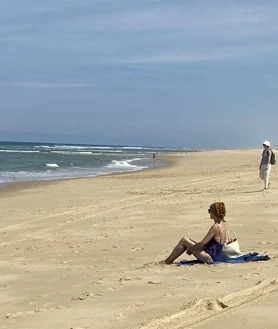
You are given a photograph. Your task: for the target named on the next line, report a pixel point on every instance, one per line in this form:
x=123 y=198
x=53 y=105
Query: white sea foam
x=78 y=150
x=52 y=165
x=25 y=176
x=102 y=147
x=71 y=172
x=82 y=153
x=119 y=164
x=72 y=153
x=136 y=159
x=61 y=147
x=124 y=164
x=72 y=147
x=143 y=148
x=18 y=151
x=93 y=147
x=55 y=167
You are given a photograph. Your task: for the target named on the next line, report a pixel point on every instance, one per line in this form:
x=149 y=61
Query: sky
x=182 y=73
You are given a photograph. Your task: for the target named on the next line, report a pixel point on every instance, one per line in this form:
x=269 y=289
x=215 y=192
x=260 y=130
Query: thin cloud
x=207 y=54
x=86 y=16
x=47 y=85
x=146 y=33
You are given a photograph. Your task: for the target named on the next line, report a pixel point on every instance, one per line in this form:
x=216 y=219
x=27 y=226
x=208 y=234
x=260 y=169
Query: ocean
x=23 y=162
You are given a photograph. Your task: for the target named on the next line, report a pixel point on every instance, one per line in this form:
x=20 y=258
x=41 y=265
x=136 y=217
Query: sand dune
x=83 y=253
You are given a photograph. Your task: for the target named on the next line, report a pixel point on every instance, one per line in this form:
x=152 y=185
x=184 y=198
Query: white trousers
x=264 y=175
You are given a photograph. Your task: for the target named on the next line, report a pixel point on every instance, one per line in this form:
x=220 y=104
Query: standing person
x=153 y=156
x=265 y=166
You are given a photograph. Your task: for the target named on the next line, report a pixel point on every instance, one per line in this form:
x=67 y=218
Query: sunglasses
x=209 y=210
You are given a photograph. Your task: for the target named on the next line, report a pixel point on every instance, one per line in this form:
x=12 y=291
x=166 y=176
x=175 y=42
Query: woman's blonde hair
x=219 y=210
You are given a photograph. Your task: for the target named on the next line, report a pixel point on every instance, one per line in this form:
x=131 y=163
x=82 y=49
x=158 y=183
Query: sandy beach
x=83 y=253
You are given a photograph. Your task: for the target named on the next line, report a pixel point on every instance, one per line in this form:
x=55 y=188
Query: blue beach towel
x=250 y=257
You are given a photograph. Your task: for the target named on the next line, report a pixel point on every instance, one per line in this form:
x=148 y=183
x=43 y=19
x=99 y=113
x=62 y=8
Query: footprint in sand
x=188 y=279
x=134 y=305
x=101 y=281
x=13 y=315
x=86 y=295
x=154 y=282
x=39 y=310
x=170 y=296
x=246 y=276
x=150 y=264
x=120 y=316
x=49 y=304
x=137 y=249
x=128 y=279
x=73 y=246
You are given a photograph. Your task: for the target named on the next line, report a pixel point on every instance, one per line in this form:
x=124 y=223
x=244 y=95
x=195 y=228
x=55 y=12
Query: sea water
x=21 y=162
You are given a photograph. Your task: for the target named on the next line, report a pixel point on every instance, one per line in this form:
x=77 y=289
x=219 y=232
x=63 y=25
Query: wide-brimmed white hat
x=267 y=143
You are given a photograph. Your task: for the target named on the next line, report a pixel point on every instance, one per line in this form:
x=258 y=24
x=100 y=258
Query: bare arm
x=200 y=245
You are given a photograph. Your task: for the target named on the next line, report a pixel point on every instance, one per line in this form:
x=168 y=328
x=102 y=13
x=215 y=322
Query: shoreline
x=35 y=162
x=167 y=159
x=23 y=185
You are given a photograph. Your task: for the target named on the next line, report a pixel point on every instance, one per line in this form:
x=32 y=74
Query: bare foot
x=164 y=262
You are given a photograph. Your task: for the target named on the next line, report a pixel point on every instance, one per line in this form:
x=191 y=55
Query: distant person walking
x=265 y=166
x=153 y=156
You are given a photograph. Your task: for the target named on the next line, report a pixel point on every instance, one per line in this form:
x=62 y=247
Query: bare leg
x=178 y=250
x=181 y=247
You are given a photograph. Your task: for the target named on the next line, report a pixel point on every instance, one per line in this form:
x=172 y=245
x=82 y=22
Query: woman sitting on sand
x=209 y=249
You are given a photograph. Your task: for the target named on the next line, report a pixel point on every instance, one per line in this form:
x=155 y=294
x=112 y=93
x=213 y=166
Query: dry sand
x=81 y=253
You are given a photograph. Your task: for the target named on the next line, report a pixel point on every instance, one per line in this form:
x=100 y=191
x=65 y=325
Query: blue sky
x=167 y=73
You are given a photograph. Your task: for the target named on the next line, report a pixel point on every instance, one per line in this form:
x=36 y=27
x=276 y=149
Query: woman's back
x=220 y=232
x=216 y=243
